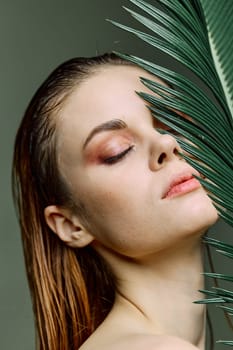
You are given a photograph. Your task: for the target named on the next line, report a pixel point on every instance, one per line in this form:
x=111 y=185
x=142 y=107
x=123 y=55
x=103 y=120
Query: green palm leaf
x=225 y=342
x=227 y=308
x=211 y=128
x=221 y=42
x=198 y=34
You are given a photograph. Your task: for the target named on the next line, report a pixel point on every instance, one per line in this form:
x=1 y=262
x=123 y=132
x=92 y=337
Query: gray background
x=34 y=38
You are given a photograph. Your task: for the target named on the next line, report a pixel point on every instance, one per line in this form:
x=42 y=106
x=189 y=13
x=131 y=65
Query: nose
x=164 y=148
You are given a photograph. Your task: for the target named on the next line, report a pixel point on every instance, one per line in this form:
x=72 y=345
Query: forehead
x=105 y=89
x=108 y=94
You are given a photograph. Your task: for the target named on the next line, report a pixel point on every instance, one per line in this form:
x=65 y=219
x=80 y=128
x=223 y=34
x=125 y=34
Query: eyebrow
x=114 y=124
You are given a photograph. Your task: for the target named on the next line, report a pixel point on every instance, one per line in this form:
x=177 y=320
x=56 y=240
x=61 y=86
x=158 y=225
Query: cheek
x=126 y=214
x=127 y=223
x=116 y=191
x=115 y=212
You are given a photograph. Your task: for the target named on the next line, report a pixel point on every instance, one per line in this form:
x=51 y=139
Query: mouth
x=181 y=184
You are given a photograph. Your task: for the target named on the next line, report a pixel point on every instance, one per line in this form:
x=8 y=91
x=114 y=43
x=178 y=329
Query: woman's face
x=124 y=171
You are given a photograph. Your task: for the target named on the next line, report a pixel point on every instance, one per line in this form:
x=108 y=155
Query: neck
x=159 y=291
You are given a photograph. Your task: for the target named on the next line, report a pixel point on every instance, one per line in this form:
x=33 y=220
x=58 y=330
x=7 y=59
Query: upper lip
x=178 y=179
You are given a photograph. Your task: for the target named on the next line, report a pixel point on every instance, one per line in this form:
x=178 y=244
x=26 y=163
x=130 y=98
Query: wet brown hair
x=72 y=289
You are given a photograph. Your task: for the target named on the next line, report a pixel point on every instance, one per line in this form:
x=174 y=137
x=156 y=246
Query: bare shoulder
x=154 y=342
x=162 y=342
x=143 y=342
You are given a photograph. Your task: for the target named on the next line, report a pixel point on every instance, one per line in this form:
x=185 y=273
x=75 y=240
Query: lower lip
x=184 y=187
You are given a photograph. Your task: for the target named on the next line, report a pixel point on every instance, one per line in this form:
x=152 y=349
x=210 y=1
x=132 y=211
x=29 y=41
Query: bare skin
x=148 y=230
x=156 y=298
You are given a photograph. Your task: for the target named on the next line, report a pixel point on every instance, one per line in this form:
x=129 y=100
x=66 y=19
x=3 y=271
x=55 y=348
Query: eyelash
x=118 y=157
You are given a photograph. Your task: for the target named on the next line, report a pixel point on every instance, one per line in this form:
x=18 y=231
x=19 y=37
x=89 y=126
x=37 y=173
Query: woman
x=111 y=216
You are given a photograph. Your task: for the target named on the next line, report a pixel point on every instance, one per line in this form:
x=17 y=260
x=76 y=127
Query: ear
x=67 y=226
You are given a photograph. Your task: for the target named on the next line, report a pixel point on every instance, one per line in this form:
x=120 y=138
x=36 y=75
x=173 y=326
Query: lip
x=181 y=184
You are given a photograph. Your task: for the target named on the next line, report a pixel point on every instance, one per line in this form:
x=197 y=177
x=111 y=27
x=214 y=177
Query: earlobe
x=67 y=227
x=80 y=239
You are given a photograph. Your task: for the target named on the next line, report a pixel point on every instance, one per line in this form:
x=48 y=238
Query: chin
x=204 y=214
x=199 y=211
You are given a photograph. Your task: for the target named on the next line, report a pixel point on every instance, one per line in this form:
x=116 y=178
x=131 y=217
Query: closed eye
x=118 y=157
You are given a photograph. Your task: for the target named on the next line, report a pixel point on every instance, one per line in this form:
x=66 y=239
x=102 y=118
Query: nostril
x=161 y=158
